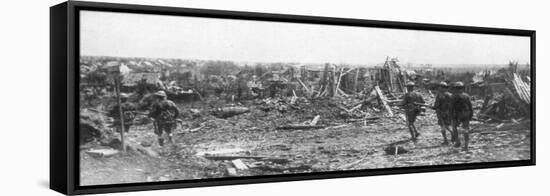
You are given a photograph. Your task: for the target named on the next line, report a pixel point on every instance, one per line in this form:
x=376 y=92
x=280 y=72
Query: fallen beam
x=315 y=120
x=362 y=119
x=101 y=153
x=292 y=127
x=383 y=100
x=304 y=86
x=238 y=163
x=294 y=97
x=223 y=158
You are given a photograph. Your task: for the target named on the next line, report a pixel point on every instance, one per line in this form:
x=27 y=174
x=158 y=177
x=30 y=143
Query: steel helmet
x=443 y=84
x=410 y=84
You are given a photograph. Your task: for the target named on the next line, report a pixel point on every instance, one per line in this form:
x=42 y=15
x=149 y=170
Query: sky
x=159 y=36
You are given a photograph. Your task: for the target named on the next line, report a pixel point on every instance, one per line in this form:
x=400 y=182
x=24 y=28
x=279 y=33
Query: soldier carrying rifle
x=164 y=112
x=442 y=106
x=411 y=101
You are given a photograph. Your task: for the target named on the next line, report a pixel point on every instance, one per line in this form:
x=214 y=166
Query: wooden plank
x=339 y=78
x=232 y=171
x=221 y=151
x=291 y=127
x=356 y=107
x=526 y=88
x=222 y=158
x=522 y=88
x=519 y=91
x=304 y=86
x=315 y=120
x=294 y=97
x=101 y=153
x=355 y=86
x=383 y=100
x=238 y=163
x=341 y=92
x=517 y=88
x=338 y=90
x=363 y=119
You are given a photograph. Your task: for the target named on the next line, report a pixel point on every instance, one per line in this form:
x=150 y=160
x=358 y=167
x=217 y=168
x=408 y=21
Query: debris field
x=307 y=129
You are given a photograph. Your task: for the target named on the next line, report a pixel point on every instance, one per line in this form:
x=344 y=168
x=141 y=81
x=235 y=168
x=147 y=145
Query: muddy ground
x=341 y=145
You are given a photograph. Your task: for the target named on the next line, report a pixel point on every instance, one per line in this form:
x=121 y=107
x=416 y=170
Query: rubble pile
x=289 y=120
x=93 y=127
x=511 y=101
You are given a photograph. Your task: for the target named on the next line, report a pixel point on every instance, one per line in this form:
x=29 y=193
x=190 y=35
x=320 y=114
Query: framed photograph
x=145 y=97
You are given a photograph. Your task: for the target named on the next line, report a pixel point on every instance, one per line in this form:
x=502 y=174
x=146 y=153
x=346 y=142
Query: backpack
x=128 y=116
x=166 y=116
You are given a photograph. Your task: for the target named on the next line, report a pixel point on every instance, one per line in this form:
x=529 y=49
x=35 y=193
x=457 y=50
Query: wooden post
x=390 y=79
x=342 y=73
x=339 y=78
x=331 y=81
x=355 y=80
x=121 y=115
x=303 y=75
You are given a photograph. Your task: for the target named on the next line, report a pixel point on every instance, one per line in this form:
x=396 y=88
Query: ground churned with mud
x=340 y=145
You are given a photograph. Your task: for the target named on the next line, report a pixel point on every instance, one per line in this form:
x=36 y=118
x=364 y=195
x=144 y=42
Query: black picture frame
x=64 y=60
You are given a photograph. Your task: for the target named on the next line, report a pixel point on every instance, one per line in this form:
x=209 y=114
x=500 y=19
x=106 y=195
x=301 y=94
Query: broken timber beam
x=222 y=158
x=355 y=81
x=342 y=73
x=363 y=119
x=291 y=127
x=383 y=100
x=304 y=86
x=315 y=120
x=238 y=163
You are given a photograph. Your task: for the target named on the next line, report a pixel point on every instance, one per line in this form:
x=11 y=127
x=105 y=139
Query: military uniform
x=128 y=112
x=462 y=111
x=443 y=104
x=412 y=110
x=461 y=114
x=165 y=113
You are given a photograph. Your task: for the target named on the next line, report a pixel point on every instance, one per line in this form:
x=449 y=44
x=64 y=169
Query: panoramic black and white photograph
x=171 y=98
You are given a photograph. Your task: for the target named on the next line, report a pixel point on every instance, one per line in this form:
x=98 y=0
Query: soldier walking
x=442 y=107
x=164 y=112
x=128 y=112
x=411 y=101
x=462 y=113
